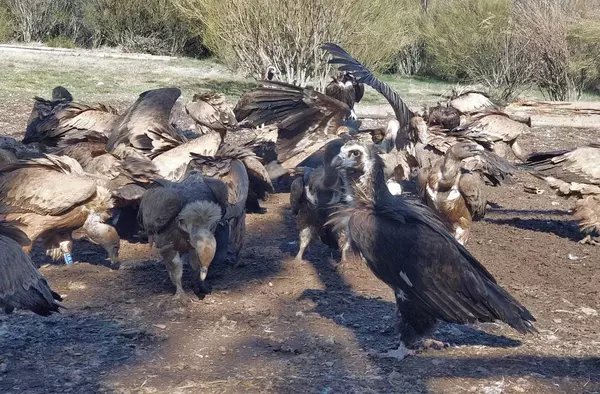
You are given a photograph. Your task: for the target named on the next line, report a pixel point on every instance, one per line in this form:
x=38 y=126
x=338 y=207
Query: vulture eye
x=355 y=153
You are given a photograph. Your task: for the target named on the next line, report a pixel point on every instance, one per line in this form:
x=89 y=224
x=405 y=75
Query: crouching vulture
x=50 y=197
x=408 y=247
x=574 y=173
x=21 y=285
x=313 y=197
x=189 y=217
x=457 y=196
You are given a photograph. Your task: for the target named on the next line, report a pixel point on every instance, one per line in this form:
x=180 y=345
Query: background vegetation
x=505 y=45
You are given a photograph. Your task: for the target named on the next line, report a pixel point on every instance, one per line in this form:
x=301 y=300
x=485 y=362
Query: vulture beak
x=205 y=244
x=337 y=162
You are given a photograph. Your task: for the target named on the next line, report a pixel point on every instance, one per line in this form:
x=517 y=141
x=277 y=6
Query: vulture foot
x=182 y=298
x=201 y=290
x=399 y=354
x=428 y=344
x=589 y=240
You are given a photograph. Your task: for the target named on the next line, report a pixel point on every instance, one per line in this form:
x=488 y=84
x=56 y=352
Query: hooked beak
x=337 y=161
x=205 y=244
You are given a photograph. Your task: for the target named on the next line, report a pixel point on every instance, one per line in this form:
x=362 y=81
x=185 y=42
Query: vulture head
x=357 y=160
x=61 y=93
x=464 y=150
x=270 y=73
x=199 y=221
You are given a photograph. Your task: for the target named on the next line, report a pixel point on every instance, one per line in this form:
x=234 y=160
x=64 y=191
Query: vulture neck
x=450 y=173
x=370 y=187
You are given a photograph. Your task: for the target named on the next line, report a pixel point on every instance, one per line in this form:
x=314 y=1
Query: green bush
x=7 y=28
x=60 y=42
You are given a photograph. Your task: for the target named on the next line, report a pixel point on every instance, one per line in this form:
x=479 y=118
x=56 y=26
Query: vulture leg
x=306 y=235
x=59 y=245
x=174 y=265
x=589 y=240
x=201 y=289
x=412 y=322
x=253 y=204
x=238 y=233
x=344 y=245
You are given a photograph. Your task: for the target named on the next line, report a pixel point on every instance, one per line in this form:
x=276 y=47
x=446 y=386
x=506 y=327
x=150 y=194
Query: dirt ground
x=276 y=325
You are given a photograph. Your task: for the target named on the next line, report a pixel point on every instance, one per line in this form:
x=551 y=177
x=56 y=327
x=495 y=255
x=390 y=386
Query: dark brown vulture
x=575 y=173
x=211 y=112
x=21 y=285
x=190 y=216
x=43 y=108
x=306 y=119
x=50 y=197
x=313 y=197
x=447 y=117
x=408 y=247
x=457 y=196
x=227 y=166
x=345 y=89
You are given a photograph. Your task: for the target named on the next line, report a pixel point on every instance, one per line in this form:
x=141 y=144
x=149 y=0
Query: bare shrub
x=7 y=28
x=475 y=41
x=287 y=34
x=30 y=17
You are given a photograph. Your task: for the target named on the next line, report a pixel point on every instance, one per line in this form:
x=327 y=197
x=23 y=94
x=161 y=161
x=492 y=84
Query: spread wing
x=50 y=185
x=362 y=74
x=76 y=121
x=145 y=127
x=306 y=119
x=578 y=165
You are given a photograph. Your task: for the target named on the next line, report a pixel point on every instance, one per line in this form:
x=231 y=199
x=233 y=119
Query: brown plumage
x=408 y=247
x=144 y=129
x=211 y=111
x=52 y=196
x=43 y=108
x=306 y=119
x=470 y=102
x=72 y=121
x=21 y=285
x=346 y=89
x=447 y=117
x=227 y=166
x=456 y=196
x=313 y=197
x=184 y=217
x=575 y=173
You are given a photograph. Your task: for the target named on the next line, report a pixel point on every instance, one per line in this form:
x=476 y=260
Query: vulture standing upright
x=21 y=285
x=346 y=89
x=457 y=196
x=184 y=217
x=408 y=247
x=314 y=196
x=576 y=173
x=227 y=166
x=50 y=197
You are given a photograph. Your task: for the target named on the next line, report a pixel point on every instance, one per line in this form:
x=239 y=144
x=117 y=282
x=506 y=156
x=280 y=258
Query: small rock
x=555 y=203
x=330 y=341
x=589 y=311
x=557 y=320
x=222 y=349
x=329 y=363
x=100 y=84
x=161 y=326
x=270 y=284
x=573 y=257
x=300 y=314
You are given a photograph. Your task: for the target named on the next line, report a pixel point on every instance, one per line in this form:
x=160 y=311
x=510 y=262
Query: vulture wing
x=50 y=185
x=211 y=110
x=578 y=165
x=158 y=207
x=472 y=189
x=21 y=285
x=76 y=121
x=306 y=119
x=408 y=248
x=362 y=74
x=494 y=168
x=145 y=126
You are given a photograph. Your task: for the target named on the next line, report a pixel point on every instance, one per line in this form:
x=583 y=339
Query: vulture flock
x=403 y=202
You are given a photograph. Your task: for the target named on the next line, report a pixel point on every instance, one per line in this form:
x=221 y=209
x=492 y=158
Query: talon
x=399 y=354
x=588 y=240
x=427 y=344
